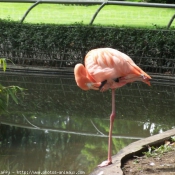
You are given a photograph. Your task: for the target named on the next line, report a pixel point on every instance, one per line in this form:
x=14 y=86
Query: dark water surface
x=58 y=128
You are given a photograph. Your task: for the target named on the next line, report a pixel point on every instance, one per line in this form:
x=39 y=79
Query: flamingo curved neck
x=81 y=77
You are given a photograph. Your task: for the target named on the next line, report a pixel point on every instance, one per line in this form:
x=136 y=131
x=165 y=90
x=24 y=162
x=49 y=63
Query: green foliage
x=64 y=46
x=173 y=138
x=154 y=1
x=162 y=1
x=152 y=151
x=3 y=64
x=158 y=151
x=6 y=93
x=136 y=0
x=9 y=91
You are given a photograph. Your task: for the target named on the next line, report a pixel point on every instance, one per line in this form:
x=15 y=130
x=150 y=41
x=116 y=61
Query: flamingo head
x=82 y=79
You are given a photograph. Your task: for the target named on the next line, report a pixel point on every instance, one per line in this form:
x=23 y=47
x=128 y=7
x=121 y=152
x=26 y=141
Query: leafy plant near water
x=3 y=63
x=9 y=91
x=168 y=146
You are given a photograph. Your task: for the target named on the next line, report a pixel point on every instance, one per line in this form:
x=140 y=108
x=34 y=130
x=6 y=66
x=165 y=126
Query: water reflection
x=58 y=127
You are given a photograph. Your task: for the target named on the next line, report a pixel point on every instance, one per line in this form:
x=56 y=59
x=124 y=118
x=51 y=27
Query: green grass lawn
x=70 y=14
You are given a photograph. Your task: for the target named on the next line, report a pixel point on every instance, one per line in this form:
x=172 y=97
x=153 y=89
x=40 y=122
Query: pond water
x=58 y=128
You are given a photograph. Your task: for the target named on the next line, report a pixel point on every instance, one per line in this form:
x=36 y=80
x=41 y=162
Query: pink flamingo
x=107 y=68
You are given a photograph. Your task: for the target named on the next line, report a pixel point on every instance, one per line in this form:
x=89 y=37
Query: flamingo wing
x=106 y=63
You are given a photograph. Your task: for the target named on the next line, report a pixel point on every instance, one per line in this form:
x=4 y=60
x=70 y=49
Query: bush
x=64 y=46
x=162 y=1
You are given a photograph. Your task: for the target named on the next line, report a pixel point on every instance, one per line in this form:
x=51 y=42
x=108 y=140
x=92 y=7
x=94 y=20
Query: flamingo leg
x=112 y=117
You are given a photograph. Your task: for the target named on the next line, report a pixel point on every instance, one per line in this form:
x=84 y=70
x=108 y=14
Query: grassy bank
x=70 y=14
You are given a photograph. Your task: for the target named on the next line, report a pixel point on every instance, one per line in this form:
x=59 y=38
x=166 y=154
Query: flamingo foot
x=105 y=163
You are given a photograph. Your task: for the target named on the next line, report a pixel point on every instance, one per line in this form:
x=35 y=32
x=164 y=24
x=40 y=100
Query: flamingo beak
x=94 y=86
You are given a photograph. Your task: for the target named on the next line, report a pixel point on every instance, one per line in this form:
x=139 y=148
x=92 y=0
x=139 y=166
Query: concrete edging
x=134 y=148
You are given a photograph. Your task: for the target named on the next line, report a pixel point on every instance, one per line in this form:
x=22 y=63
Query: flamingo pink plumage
x=107 y=68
